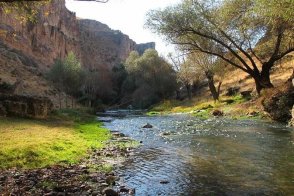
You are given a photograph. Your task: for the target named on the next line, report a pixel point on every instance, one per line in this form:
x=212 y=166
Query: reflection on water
x=212 y=157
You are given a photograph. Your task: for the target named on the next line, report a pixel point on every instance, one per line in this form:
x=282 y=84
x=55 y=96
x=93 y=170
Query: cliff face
x=53 y=35
x=102 y=47
x=142 y=47
x=28 y=50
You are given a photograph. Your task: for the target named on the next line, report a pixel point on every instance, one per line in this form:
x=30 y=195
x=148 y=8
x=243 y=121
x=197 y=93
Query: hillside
x=28 y=50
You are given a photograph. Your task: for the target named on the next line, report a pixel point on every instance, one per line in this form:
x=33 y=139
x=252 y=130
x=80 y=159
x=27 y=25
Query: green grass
x=231 y=106
x=64 y=138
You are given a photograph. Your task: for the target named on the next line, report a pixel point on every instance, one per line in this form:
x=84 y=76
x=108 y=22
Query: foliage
x=150 y=78
x=24 y=11
x=67 y=75
x=233 y=30
x=33 y=144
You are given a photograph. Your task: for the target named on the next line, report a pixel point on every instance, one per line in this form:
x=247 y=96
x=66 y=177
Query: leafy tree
x=56 y=75
x=243 y=33
x=27 y=10
x=67 y=75
x=119 y=75
x=73 y=75
x=150 y=78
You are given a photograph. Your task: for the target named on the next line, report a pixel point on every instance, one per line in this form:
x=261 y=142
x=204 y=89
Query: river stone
x=110 y=192
x=246 y=94
x=164 y=182
x=217 y=112
x=148 y=126
x=110 y=180
x=232 y=91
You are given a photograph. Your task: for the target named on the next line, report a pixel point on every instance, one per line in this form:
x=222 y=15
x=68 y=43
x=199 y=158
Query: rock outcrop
x=102 y=47
x=140 y=48
x=25 y=106
x=279 y=102
x=28 y=50
x=52 y=36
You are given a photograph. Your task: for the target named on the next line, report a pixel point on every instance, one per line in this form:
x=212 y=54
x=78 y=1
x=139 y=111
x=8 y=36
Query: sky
x=128 y=16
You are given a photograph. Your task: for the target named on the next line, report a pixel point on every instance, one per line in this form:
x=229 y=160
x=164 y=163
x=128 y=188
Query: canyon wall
x=29 y=49
x=103 y=48
x=52 y=36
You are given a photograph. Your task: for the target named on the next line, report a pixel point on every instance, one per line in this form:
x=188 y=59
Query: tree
x=67 y=75
x=240 y=32
x=209 y=66
x=150 y=78
x=27 y=10
x=119 y=75
x=186 y=73
x=56 y=75
x=73 y=75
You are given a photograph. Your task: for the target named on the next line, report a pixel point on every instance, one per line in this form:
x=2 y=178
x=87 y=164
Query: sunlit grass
x=29 y=143
x=230 y=105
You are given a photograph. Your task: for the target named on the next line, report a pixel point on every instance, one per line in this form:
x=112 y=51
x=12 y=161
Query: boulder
x=232 y=91
x=246 y=94
x=217 y=112
x=110 y=192
x=279 y=102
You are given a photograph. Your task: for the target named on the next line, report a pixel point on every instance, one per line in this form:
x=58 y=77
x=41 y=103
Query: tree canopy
x=243 y=33
x=150 y=78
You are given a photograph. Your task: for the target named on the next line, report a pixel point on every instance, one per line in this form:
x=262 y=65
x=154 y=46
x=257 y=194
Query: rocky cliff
x=52 y=36
x=28 y=50
x=102 y=47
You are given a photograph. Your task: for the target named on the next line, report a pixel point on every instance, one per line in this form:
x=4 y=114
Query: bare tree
x=209 y=66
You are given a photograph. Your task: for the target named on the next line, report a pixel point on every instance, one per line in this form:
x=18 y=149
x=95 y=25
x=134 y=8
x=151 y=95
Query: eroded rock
x=25 y=106
x=279 y=102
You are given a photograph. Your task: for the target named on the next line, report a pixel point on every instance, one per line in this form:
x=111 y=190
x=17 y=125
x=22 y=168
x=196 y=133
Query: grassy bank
x=235 y=107
x=66 y=137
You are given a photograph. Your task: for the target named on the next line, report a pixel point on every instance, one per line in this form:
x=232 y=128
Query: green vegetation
x=243 y=33
x=67 y=75
x=65 y=138
x=233 y=107
x=145 y=79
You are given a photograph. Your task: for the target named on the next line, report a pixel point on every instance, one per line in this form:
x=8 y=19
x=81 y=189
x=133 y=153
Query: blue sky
x=127 y=16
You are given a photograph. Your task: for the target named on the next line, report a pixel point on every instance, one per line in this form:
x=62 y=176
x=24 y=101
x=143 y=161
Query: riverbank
x=233 y=107
x=69 y=153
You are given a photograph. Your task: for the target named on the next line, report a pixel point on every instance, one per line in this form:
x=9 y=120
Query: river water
x=183 y=155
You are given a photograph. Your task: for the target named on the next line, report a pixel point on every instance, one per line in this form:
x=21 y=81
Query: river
x=183 y=155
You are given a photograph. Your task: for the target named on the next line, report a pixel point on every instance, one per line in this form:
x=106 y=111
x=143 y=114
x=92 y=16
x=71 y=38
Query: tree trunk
x=188 y=87
x=59 y=100
x=65 y=100
x=214 y=92
x=178 y=94
x=262 y=80
x=218 y=88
